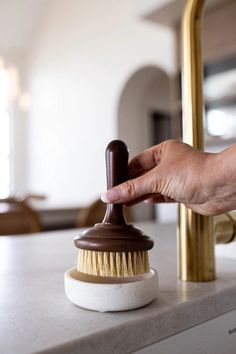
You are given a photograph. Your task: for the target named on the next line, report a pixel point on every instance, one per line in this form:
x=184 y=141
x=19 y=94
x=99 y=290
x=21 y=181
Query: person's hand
x=175 y=172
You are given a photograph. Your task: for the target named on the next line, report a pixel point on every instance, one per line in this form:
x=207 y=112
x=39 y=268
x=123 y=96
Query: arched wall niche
x=146 y=90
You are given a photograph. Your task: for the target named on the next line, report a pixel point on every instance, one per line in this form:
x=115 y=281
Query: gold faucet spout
x=195 y=232
x=192 y=102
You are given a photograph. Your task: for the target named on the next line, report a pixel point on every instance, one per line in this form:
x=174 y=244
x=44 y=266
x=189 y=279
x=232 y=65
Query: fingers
x=141 y=199
x=145 y=161
x=160 y=198
x=133 y=189
x=151 y=199
x=147 y=176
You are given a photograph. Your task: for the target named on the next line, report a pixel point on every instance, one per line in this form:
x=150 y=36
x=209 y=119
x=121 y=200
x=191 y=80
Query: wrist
x=220 y=177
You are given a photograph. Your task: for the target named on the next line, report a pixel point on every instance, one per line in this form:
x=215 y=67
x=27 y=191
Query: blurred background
x=75 y=74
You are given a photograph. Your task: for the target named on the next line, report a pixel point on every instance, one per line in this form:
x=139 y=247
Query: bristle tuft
x=113 y=264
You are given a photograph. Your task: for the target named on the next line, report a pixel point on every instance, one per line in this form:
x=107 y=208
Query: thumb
x=132 y=189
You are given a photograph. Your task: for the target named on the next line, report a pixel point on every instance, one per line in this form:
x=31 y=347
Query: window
x=220 y=98
x=4 y=132
x=221 y=122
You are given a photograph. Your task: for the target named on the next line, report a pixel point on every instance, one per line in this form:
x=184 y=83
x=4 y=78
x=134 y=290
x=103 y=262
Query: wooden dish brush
x=113 y=248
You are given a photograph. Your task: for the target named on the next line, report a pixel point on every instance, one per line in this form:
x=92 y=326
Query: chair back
x=16 y=217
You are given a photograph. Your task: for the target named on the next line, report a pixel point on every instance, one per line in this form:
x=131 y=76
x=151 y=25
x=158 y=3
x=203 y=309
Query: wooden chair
x=95 y=213
x=17 y=217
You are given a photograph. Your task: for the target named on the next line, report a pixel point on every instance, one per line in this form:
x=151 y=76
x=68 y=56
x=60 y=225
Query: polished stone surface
x=36 y=316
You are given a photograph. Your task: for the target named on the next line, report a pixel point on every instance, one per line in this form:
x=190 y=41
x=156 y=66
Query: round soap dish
x=110 y=293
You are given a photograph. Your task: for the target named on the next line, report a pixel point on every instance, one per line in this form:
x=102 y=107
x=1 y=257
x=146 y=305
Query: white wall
x=79 y=63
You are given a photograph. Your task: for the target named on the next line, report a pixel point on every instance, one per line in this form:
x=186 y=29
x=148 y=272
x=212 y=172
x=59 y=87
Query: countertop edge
x=158 y=326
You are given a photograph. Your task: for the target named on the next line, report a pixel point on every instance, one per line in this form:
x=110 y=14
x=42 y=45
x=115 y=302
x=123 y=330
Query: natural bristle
x=113 y=264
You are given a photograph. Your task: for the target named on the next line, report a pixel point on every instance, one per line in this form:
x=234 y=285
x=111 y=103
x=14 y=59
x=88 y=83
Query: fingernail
x=110 y=196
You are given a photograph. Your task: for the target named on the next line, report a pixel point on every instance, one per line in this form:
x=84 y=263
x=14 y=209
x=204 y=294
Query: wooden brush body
x=113 y=248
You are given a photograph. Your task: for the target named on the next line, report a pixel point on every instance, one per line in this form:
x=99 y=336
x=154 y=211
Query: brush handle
x=117 y=156
x=113 y=234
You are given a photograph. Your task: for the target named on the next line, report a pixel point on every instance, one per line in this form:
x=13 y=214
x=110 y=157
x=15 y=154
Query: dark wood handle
x=116 y=163
x=113 y=234
x=116 y=167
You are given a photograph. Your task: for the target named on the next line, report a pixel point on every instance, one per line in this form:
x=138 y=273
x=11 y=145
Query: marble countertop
x=37 y=317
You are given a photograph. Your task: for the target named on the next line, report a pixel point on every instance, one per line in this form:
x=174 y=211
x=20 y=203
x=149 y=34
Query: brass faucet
x=197 y=234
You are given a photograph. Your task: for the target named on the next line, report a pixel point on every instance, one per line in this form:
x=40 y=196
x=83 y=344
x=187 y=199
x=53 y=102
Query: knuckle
x=156 y=155
x=171 y=144
x=153 y=184
x=130 y=188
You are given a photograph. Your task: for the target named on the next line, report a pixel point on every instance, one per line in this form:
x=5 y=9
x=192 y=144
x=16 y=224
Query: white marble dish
x=110 y=293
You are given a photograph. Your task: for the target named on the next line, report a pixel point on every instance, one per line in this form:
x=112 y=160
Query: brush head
x=113 y=264
x=113 y=250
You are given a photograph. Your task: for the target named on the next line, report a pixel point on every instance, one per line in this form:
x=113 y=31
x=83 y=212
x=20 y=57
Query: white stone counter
x=35 y=315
